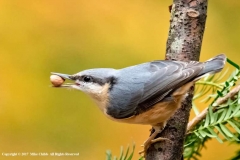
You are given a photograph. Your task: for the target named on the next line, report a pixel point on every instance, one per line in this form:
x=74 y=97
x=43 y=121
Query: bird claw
x=149 y=142
x=160 y=139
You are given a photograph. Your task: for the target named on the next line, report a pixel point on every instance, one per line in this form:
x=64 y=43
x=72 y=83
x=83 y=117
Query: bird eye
x=87 y=79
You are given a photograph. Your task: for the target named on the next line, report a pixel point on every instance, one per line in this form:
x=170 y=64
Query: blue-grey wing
x=174 y=75
x=151 y=83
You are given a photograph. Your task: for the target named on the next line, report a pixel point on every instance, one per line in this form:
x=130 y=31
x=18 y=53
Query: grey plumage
x=142 y=86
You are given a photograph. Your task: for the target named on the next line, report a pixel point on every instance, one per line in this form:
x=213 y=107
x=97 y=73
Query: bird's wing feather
x=172 y=76
x=162 y=78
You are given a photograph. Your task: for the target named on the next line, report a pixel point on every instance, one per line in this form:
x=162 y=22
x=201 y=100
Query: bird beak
x=64 y=76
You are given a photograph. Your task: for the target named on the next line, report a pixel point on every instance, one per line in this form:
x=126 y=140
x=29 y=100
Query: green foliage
x=210 y=83
x=122 y=156
x=222 y=121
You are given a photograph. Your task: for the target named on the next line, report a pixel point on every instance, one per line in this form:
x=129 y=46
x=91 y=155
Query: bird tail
x=213 y=65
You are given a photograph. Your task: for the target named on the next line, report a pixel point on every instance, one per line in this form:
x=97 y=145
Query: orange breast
x=159 y=113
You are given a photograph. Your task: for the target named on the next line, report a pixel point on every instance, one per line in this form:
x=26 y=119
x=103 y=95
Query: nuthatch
x=147 y=93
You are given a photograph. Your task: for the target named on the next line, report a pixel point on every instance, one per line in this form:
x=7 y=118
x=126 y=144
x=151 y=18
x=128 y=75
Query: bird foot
x=157 y=129
x=149 y=142
x=160 y=139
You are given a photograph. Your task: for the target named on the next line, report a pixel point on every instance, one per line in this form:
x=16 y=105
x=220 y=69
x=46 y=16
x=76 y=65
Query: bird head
x=92 y=82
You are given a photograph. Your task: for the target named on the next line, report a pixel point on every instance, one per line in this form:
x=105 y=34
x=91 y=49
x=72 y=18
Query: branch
x=184 y=43
x=204 y=113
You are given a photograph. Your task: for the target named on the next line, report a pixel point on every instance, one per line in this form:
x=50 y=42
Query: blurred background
x=43 y=36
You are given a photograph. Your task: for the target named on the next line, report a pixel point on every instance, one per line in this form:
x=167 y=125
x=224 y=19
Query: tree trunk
x=184 y=42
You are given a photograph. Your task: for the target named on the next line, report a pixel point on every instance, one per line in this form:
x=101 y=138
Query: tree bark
x=184 y=43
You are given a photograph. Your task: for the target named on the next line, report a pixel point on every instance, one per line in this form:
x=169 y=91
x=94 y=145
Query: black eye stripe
x=100 y=81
